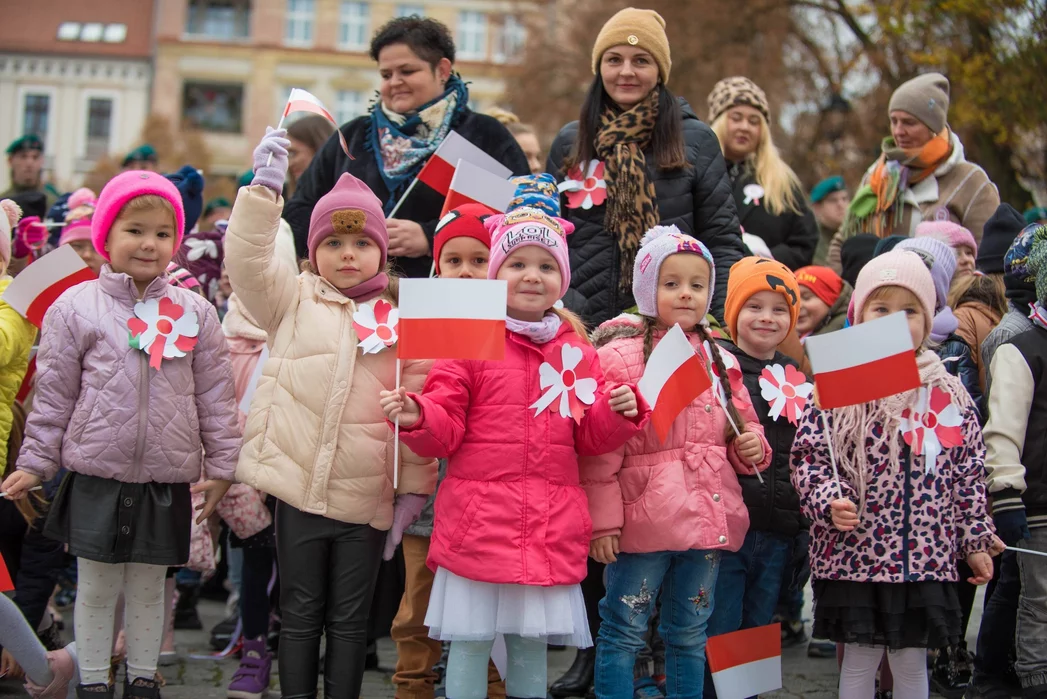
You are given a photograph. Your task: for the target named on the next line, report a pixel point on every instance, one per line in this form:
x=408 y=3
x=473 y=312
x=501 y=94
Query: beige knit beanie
x=644 y=29
x=926 y=97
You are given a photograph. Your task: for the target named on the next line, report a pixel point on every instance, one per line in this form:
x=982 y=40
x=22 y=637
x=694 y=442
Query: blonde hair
x=149 y=202
x=979 y=288
x=780 y=184
x=504 y=116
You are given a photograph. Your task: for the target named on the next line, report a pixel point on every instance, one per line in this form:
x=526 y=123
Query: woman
x=637 y=157
x=921 y=173
x=421 y=100
x=767 y=192
x=307 y=136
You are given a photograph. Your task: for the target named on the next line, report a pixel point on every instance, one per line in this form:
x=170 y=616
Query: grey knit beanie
x=926 y=97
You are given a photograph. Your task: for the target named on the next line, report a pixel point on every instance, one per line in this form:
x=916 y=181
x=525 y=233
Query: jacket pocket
x=466 y=522
x=634 y=481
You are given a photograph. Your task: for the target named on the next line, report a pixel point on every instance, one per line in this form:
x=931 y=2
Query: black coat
x=696 y=199
x=791 y=237
x=33 y=560
x=422 y=205
x=774 y=506
x=959 y=361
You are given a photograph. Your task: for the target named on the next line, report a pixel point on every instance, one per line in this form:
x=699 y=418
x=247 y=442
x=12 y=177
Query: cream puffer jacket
x=316 y=436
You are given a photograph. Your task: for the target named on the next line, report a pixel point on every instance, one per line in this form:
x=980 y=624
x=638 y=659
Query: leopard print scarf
x=631 y=206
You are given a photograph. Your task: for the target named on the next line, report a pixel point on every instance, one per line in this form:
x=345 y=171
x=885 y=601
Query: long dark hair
x=666 y=141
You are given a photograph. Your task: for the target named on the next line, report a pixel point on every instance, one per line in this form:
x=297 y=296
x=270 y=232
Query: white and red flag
x=471 y=184
x=863 y=363
x=673 y=377
x=747 y=662
x=38 y=286
x=303 y=101
x=439 y=169
x=452 y=319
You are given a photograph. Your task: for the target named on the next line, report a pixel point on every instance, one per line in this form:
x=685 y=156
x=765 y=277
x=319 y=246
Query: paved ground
x=804 y=678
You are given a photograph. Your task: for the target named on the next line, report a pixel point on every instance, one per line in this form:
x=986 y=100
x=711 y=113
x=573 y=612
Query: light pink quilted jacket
x=100 y=410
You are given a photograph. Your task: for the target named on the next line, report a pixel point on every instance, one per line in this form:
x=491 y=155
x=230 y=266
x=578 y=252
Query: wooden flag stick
x=832 y=455
x=392 y=214
x=279 y=125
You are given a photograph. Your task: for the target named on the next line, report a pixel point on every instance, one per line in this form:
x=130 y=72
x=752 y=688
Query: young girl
x=512 y=531
x=134 y=421
x=887 y=533
x=958 y=238
x=315 y=437
x=662 y=511
x=77 y=229
x=823 y=301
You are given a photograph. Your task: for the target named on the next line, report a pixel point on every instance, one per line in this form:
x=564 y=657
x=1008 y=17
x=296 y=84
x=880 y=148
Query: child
x=315 y=437
x=132 y=435
x=77 y=229
x=760 y=311
x=461 y=250
x=979 y=304
x=662 y=511
x=886 y=534
x=958 y=238
x=824 y=297
x=511 y=536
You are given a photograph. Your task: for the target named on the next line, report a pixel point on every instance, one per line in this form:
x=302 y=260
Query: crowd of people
x=222 y=374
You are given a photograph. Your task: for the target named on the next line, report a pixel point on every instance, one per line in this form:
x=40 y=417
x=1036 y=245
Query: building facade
x=227 y=66
x=78 y=75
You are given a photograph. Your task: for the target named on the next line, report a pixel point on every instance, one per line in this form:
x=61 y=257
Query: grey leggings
x=526 y=674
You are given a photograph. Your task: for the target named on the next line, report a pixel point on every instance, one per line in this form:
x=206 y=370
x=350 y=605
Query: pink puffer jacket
x=100 y=410
x=674 y=496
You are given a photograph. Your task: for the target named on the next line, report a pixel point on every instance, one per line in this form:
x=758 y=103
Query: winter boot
x=578 y=678
x=251 y=680
x=141 y=688
x=185 y=614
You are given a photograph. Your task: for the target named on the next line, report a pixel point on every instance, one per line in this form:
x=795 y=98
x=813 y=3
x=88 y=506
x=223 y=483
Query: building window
x=300 y=14
x=354 y=25
x=213 y=106
x=349 y=105
x=410 y=11
x=509 y=41
x=472 y=36
x=99 y=123
x=37 y=112
x=219 y=19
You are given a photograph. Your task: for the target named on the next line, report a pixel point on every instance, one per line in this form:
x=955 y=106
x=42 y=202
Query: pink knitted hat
x=952 y=234
x=657 y=244
x=902 y=268
x=350 y=207
x=82 y=205
x=122 y=189
x=526 y=226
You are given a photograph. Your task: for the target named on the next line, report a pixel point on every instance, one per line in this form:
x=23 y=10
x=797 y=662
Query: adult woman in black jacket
x=421 y=101
x=637 y=157
x=770 y=201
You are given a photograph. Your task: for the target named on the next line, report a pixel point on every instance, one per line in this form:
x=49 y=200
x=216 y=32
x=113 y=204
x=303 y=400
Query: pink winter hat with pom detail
x=952 y=234
x=9 y=217
x=350 y=207
x=528 y=226
x=122 y=189
x=903 y=268
x=82 y=205
x=657 y=244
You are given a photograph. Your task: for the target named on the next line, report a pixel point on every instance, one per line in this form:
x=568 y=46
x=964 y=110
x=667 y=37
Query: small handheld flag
x=746 y=663
x=41 y=283
x=673 y=377
x=452 y=319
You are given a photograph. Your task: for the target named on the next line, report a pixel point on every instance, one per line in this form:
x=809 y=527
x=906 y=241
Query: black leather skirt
x=104 y=520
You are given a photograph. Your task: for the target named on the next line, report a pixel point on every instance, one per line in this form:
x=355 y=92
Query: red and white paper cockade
x=376 y=326
x=932 y=426
x=786 y=389
x=585 y=189
x=163 y=329
x=566 y=379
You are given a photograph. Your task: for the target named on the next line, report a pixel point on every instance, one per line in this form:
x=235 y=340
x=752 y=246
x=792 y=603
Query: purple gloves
x=405 y=511
x=270 y=159
x=30 y=236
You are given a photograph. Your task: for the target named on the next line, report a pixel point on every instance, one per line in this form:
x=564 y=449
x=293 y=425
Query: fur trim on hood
x=624 y=325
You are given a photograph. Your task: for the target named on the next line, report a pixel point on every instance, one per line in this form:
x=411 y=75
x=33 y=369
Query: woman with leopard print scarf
x=638 y=156
x=420 y=101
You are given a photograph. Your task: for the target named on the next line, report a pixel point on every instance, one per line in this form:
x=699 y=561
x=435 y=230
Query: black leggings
x=254 y=591
x=330 y=569
x=592 y=592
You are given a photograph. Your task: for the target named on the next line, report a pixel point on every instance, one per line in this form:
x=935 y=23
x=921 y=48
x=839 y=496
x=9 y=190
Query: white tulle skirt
x=466 y=610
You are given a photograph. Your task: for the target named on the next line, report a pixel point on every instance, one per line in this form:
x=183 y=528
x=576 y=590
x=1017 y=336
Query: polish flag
x=6 y=583
x=863 y=363
x=746 y=663
x=303 y=101
x=673 y=378
x=471 y=184
x=37 y=286
x=452 y=319
x=439 y=170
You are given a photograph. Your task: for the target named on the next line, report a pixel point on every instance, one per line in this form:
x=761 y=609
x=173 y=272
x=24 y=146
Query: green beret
x=827 y=187
x=28 y=142
x=1036 y=213
x=216 y=203
x=143 y=152
x=245 y=179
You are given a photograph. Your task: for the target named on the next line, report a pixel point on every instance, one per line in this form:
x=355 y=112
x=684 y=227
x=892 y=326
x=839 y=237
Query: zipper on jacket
x=526 y=440
x=143 y=407
x=906 y=528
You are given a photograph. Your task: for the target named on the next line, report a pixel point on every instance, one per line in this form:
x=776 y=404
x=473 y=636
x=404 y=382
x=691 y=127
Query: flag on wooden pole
x=746 y=663
x=41 y=283
x=452 y=319
x=471 y=184
x=439 y=169
x=673 y=377
x=303 y=101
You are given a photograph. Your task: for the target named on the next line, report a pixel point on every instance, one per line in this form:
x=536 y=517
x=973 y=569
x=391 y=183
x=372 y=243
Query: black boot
x=102 y=690
x=186 y=617
x=951 y=672
x=141 y=688
x=578 y=678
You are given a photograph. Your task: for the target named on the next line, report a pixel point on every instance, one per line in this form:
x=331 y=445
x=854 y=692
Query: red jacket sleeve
x=603 y=430
x=444 y=403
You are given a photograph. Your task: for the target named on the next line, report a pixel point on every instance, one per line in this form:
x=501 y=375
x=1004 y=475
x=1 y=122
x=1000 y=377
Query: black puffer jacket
x=422 y=205
x=696 y=199
x=774 y=506
x=791 y=237
x=959 y=361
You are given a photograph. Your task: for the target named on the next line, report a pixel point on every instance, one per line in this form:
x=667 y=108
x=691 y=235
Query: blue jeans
x=687 y=580
x=747 y=587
